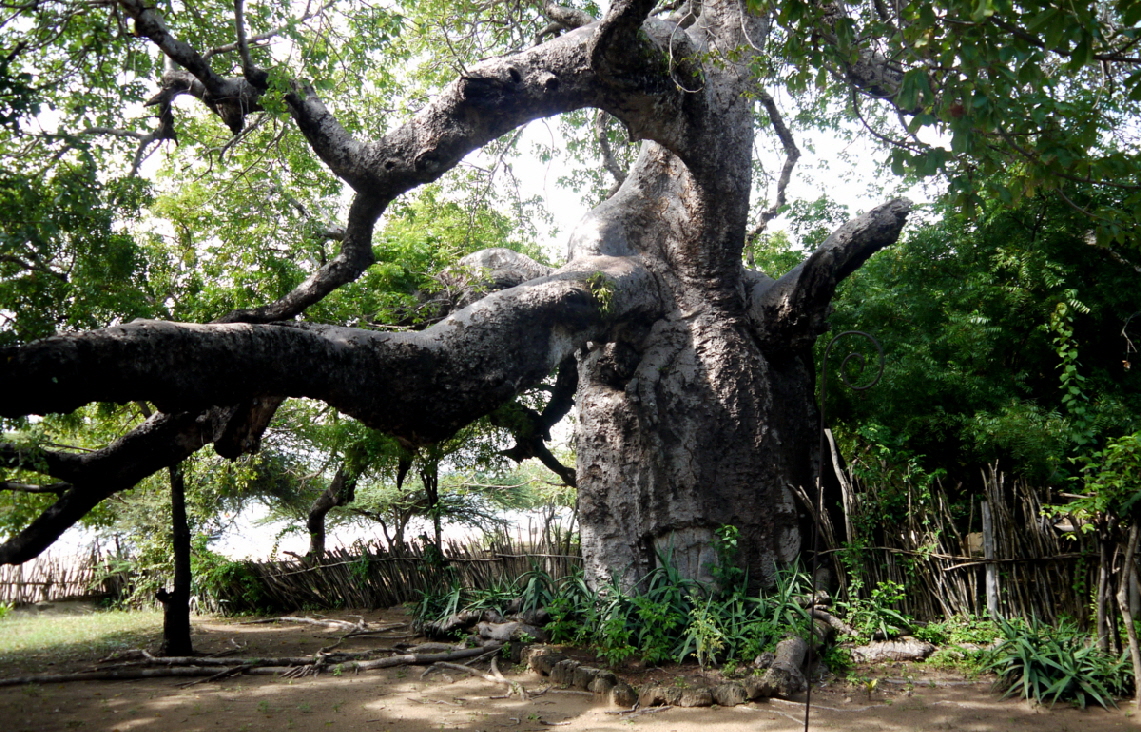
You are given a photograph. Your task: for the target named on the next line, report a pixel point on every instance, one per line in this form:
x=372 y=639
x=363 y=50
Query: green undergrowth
x=1051 y=664
x=666 y=618
x=663 y=617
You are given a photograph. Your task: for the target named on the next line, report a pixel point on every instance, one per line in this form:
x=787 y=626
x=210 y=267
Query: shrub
x=1043 y=663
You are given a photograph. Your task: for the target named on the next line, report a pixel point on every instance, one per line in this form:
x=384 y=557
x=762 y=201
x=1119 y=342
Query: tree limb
x=471 y=362
x=231 y=99
x=791 y=311
x=162 y=440
x=56 y=488
x=601 y=122
x=791 y=155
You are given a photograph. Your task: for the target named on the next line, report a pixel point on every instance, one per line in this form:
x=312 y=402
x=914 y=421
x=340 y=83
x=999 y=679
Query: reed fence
x=936 y=551
x=939 y=552
x=51 y=577
x=369 y=574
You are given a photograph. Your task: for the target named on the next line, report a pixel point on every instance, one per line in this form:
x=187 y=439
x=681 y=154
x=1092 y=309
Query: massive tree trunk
x=695 y=386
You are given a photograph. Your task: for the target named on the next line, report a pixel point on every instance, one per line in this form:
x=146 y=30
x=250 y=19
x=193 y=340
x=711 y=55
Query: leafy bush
x=874 y=616
x=1043 y=663
x=958 y=630
x=665 y=617
x=223 y=585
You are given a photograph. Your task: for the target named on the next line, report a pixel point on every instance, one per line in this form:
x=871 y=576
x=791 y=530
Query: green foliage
x=968 y=313
x=874 y=616
x=727 y=572
x=958 y=630
x=1023 y=96
x=663 y=618
x=223 y=585
x=601 y=288
x=1111 y=480
x=1042 y=663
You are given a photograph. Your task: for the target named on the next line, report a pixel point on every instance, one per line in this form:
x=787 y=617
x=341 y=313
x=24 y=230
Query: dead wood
x=495 y=677
x=204 y=666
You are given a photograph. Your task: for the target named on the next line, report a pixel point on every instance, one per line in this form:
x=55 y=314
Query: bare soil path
x=401 y=700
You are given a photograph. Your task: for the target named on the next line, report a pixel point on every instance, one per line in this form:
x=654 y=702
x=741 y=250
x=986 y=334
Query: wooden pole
x=991 y=567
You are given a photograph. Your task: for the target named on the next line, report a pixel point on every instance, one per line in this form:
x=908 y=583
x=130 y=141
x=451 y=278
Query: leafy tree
x=1006 y=341
x=692 y=375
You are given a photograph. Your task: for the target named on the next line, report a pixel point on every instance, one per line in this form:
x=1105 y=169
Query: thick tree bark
x=695 y=378
x=176 y=604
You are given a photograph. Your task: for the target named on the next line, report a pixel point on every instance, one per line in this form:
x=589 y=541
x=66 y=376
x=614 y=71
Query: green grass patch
x=28 y=642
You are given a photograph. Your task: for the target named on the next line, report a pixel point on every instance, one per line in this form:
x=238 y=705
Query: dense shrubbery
x=664 y=617
x=1047 y=664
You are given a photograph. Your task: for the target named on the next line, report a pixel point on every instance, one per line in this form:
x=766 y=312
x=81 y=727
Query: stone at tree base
x=563 y=672
x=764 y=660
x=700 y=696
x=657 y=695
x=623 y=695
x=529 y=655
x=544 y=663
x=906 y=648
x=582 y=677
x=729 y=694
x=603 y=682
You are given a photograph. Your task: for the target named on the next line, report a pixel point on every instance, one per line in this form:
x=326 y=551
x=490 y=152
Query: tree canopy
x=334 y=215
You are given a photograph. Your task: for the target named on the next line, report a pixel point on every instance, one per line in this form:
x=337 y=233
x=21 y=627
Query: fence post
x=991 y=567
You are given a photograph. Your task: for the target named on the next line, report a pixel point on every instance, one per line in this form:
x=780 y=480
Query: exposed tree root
x=154 y=666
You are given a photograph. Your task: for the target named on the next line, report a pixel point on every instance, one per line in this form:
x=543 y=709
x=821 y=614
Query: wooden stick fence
x=51 y=578
x=1039 y=571
x=371 y=575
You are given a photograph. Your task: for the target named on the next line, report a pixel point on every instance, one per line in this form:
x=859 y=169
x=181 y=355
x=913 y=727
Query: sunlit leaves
x=1044 y=92
x=967 y=313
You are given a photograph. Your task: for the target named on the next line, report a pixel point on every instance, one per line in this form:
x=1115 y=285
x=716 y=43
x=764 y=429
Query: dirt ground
x=402 y=699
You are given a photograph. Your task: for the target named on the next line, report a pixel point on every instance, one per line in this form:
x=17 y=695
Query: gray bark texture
x=695 y=377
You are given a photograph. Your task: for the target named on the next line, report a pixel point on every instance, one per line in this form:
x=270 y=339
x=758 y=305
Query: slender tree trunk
x=176 y=604
x=1127 y=569
x=1102 y=593
x=341 y=491
x=430 y=476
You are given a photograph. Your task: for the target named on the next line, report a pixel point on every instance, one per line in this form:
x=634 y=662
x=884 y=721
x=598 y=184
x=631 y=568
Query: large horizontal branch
x=485 y=103
x=160 y=441
x=792 y=310
x=421 y=386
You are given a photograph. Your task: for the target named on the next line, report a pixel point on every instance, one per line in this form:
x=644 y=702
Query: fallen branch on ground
x=496 y=678
x=636 y=712
x=205 y=666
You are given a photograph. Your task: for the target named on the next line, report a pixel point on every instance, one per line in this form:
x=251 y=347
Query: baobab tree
x=691 y=372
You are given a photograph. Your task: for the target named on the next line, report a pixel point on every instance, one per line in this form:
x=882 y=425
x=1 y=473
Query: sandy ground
x=401 y=699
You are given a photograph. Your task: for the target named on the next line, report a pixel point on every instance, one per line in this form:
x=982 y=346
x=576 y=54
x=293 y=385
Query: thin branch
x=601 y=123
x=262 y=38
x=791 y=155
x=248 y=68
x=1031 y=155
x=56 y=488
